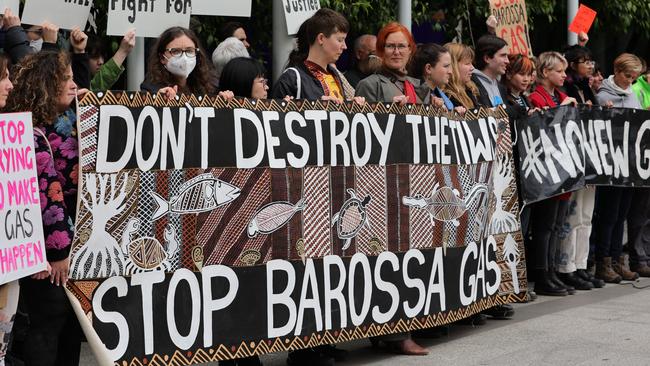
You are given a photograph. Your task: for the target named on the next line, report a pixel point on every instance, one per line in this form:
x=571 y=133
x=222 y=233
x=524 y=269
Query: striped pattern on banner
x=421 y=231
x=371 y=180
x=316 y=215
x=88 y=121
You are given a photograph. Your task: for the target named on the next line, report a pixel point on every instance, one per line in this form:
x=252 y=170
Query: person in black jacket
x=491 y=62
x=311 y=73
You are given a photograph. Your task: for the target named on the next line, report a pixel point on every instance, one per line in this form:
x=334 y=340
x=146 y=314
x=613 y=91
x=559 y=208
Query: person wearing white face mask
x=178 y=64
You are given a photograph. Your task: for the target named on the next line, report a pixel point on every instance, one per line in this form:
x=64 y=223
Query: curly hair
x=202 y=80
x=37 y=83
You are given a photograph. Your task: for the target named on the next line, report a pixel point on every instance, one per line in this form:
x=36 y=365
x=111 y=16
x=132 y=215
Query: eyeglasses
x=263 y=81
x=399 y=46
x=587 y=62
x=189 y=52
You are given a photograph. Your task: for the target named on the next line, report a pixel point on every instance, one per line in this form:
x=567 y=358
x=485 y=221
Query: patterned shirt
x=327 y=80
x=57 y=167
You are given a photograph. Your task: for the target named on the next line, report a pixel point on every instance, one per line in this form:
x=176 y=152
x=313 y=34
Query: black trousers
x=611 y=207
x=638 y=227
x=53 y=336
x=547 y=219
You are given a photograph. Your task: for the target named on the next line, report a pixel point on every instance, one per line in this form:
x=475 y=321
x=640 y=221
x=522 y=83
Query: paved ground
x=609 y=326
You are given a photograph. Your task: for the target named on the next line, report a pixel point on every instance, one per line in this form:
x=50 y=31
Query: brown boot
x=642 y=269
x=623 y=270
x=605 y=272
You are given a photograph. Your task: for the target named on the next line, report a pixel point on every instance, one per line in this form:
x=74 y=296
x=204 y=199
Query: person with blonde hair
x=613 y=203
x=460 y=89
x=547 y=217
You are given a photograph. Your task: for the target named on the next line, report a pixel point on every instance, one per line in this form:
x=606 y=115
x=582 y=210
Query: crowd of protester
x=575 y=240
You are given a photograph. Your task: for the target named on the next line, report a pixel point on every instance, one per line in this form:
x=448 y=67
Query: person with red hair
x=395 y=46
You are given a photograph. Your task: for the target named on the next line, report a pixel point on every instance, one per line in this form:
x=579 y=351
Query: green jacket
x=106 y=77
x=642 y=90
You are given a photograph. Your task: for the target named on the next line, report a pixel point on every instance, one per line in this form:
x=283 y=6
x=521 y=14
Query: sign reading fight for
x=149 y=17
x=512 y=24
x=22 y=246
x=226 y=8
x=210 y=229
x=13 y=5
x=67 y=14
x=297 y=11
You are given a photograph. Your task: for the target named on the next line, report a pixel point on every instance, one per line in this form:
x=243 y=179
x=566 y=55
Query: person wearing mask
x=491 y=62
x=44 y=85
x=235 y=29
x=432 y=65
x=574 y=247
x=178 y=64
x=245 y=77
x=638 y=220
x=612 y=204
x=311 y=73
x=460 y=89
x=227 y=50
x=8 y=291
x=395 y=46
x=391 y=84
x=365 y=56
x=548 y=216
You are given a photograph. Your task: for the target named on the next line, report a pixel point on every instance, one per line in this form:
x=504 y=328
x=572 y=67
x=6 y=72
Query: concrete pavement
x=609 y=326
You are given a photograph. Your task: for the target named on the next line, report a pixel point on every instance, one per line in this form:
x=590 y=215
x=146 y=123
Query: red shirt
x=541 y=98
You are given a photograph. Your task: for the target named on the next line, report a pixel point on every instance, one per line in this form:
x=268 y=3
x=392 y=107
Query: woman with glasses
x=245 y=77
x=178 y=64
x=574 y=247
x=395 y=46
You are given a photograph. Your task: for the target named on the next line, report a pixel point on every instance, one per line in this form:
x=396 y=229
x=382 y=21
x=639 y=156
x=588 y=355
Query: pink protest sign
x=22 y=245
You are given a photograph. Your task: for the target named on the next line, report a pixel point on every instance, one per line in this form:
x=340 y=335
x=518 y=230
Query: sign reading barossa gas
x=210 y=230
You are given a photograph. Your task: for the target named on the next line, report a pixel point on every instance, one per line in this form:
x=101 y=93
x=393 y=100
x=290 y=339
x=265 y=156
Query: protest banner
x=66 y=14
x=296 y=12
x=22 y=245
x=512 y=24
x=149 y=18
x=210 y=230
x=566 y=148
x=239 y=8
x=13 y=5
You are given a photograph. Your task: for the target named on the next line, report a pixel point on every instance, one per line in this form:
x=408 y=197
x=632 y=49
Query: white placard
x=66 y=14
x=297 y=11
x=22 y=246
x=226 y=8
x=149 y=18
x=11 y=4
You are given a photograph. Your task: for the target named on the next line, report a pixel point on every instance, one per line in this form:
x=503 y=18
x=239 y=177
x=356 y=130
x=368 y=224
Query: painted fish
x=273 y=216
x=199 y=194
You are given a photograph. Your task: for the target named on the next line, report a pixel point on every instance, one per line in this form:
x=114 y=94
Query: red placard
x=583 y=20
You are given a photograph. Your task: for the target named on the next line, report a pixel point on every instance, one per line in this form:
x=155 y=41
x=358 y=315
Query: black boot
x=544 y=285
x=569 y=289
x=572 y=279
x=587 y=276
x=505 y=311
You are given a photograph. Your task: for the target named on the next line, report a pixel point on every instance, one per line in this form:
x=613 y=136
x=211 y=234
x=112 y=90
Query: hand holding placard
x=10 y=20
x=50 y=32
x=78 y=40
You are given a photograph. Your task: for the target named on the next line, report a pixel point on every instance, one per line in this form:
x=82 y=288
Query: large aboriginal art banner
x=565 y=148
x=210 y=230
